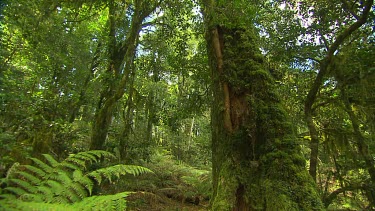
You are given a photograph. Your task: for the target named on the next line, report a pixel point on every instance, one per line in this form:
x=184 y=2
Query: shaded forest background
x=133 y=78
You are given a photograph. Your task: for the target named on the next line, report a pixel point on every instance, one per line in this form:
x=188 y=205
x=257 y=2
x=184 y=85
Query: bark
x=323 y=70
x=256 y=158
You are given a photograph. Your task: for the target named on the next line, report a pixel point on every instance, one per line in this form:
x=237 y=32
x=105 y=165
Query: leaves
x=56 y=184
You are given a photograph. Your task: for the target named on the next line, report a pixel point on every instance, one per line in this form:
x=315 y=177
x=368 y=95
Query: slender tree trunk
x=150 y=115
x=257 y=164
x=121 y=55
x=150 y=106
x=128 y=119
x=314 y=134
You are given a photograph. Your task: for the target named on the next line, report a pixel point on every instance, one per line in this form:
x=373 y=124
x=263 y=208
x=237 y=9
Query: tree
x=324 y=66
x=121 y=52
x=313 y=38
x=256 y=158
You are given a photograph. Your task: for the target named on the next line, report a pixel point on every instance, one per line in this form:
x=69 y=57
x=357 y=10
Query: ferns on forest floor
x=172 y=179
x=66 y=185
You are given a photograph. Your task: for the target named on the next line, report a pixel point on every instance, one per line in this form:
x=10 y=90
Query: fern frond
x=106 y=202
x=77 y=175
x=136 y=170
x=61 y=176
x=7 y=196
x=117 y=171
x=32 y=197
x=60 y=200
x=23 y=184
x=35 y=206
x=29 y=177
x=101 y=154
x=83 y=180
x=96 y=175
x=16 y=190
x=65 y=183
x=56 y=186
x=51 y=160
x=83 y=158
x=86 y=157
x=69 y=165
x=87 y=183
x=39 y=173
x=12 y=169
x=70 y=194
x=46 y=193
x=76 y=161
x=79 y=190
x=43 y=166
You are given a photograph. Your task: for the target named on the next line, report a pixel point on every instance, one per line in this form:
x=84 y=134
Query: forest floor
x=142 y=201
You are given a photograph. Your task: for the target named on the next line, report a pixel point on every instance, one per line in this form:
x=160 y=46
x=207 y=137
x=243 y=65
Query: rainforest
x=187 y=105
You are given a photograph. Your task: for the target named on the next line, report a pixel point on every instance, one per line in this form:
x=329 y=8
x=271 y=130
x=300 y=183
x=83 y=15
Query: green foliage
x=172 y=179
x=47 y=185
x=106 y=202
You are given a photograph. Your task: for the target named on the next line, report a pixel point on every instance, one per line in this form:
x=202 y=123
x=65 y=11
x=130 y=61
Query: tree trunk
x=150 y=105
x=257 y=162
x=121 y=56
x=128 y=121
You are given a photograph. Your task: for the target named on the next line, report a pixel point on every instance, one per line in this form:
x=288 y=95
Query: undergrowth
x=66 y=185
x=172 y=180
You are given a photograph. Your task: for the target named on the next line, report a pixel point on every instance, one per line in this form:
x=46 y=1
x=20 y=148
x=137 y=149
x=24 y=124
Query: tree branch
x=347 y=7
x=362 y=20
x=324 y=66
x=332 y=196
x=331 y=50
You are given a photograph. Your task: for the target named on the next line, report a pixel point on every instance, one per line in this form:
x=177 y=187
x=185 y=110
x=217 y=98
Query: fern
x=83 y=181
x=117 y=170
x=12 y=169
x=29 y=177
x=38 y=172
x=108 y=202
x=23 y=184
x=42 y=166
x=17 y=191
x=51 y=160
x=46 y=193
x=68 y=183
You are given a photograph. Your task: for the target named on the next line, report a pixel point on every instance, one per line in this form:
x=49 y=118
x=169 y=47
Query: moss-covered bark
x=257 y=163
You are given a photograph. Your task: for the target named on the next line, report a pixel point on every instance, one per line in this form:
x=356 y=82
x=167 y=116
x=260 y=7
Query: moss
x=262 y=155
x=286 y=174
x=226 y=189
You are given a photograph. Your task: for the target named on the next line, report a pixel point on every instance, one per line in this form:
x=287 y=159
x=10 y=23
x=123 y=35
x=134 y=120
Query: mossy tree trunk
x=257 y=163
